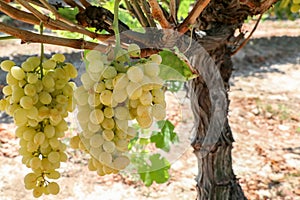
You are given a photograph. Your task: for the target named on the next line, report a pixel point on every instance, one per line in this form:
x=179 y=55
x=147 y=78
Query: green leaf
x=69 y=13
x=156 y=170
x=165 y=137
x=173 y=68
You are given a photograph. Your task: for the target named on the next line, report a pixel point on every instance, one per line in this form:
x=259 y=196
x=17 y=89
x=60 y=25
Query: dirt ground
x=264 y=116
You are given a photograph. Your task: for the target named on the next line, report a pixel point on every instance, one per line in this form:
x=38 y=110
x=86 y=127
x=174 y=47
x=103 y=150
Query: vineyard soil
x=264 y=116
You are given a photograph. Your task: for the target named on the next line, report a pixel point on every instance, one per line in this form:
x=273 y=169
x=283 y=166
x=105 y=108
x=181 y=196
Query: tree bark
x=215 y=179
x=213 y=138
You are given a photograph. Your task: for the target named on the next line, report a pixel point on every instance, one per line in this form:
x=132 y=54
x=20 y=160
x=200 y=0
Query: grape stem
x=42 y=50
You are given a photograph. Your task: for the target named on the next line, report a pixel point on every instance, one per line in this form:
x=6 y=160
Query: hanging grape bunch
x=38 y=97
x=113 y=94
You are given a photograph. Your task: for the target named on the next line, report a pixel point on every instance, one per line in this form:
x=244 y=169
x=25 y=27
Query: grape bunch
x=39 y=96
x=114 y=93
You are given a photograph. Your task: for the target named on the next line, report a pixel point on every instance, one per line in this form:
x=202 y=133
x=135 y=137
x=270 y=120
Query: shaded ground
x=264 y=115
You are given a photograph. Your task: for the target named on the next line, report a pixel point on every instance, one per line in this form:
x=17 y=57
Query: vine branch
x=48 y=22
x=193 y=15
x=158 y=14
x=29 y=37
x=248 y=38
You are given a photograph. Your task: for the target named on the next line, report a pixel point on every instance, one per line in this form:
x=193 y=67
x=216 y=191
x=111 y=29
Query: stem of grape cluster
x=42 y=50
x=116 y=26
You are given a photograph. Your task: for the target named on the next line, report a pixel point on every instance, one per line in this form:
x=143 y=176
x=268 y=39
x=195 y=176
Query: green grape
x=94 y=100
x=43 y=112
x=108 y=135
x=37 y=191
x=109 y=84
x=135 y=74
x=49 y=64
x=134 y=50
x=121 y=134
x=295 y=8
x=29 y=134
x=108 y=112
x=70 y=70
x=157 y=82
x=54 y=143
x=35 y=163
x=32 y=78
x=95 y=66
x=119 y=96
x=93 y=55
x=35 y=61
x=58 y=57
x=48 y=81
x=7 y=90
x=95 y=152
x=131 y=132
x=96 y=116
x=17 y=93
x=30 y=180
x=120 y=81
x=106 y=97
x=99 y=87
x=62 y=99
x=158 y=96
x=143 y=110
x=27 y=66
x=32 y=147
x=122 y=56
x=109 y=146
x=39 y=138
x=134 y=90
x=145 y=121
x=3 y=104
x=6 y=65
x=87 y=134
x=60 y=84
x=96 y=141
x=121 y=162
x=108 y=123
x=74 y=142
x=67 y=90
x=45 y=98
x=63 y=157
x=146 y=98
x=158 y=112
x=151 y=69
x=17 y=72
x=93 y=127
x=105 y=158
x=53 y=188
x=87 y=81
x=52 y=174
x=54 y=157
x=26 y=102
x=30 y=90
x=155 y=58
x=121 y=113
x=109 y=73
x=39 y=86
x=20 y=117
x=10 y=80
x=91 y=166
x=122 y=145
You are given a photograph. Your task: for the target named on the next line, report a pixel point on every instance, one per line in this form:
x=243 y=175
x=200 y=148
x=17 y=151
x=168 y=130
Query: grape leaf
x=69 y=13
x=156 y=170
x=165 y=137
x=173 y=68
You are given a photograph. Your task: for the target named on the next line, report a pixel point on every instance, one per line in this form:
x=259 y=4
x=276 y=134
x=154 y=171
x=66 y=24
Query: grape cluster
x=113 y=93
x=39 y=96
